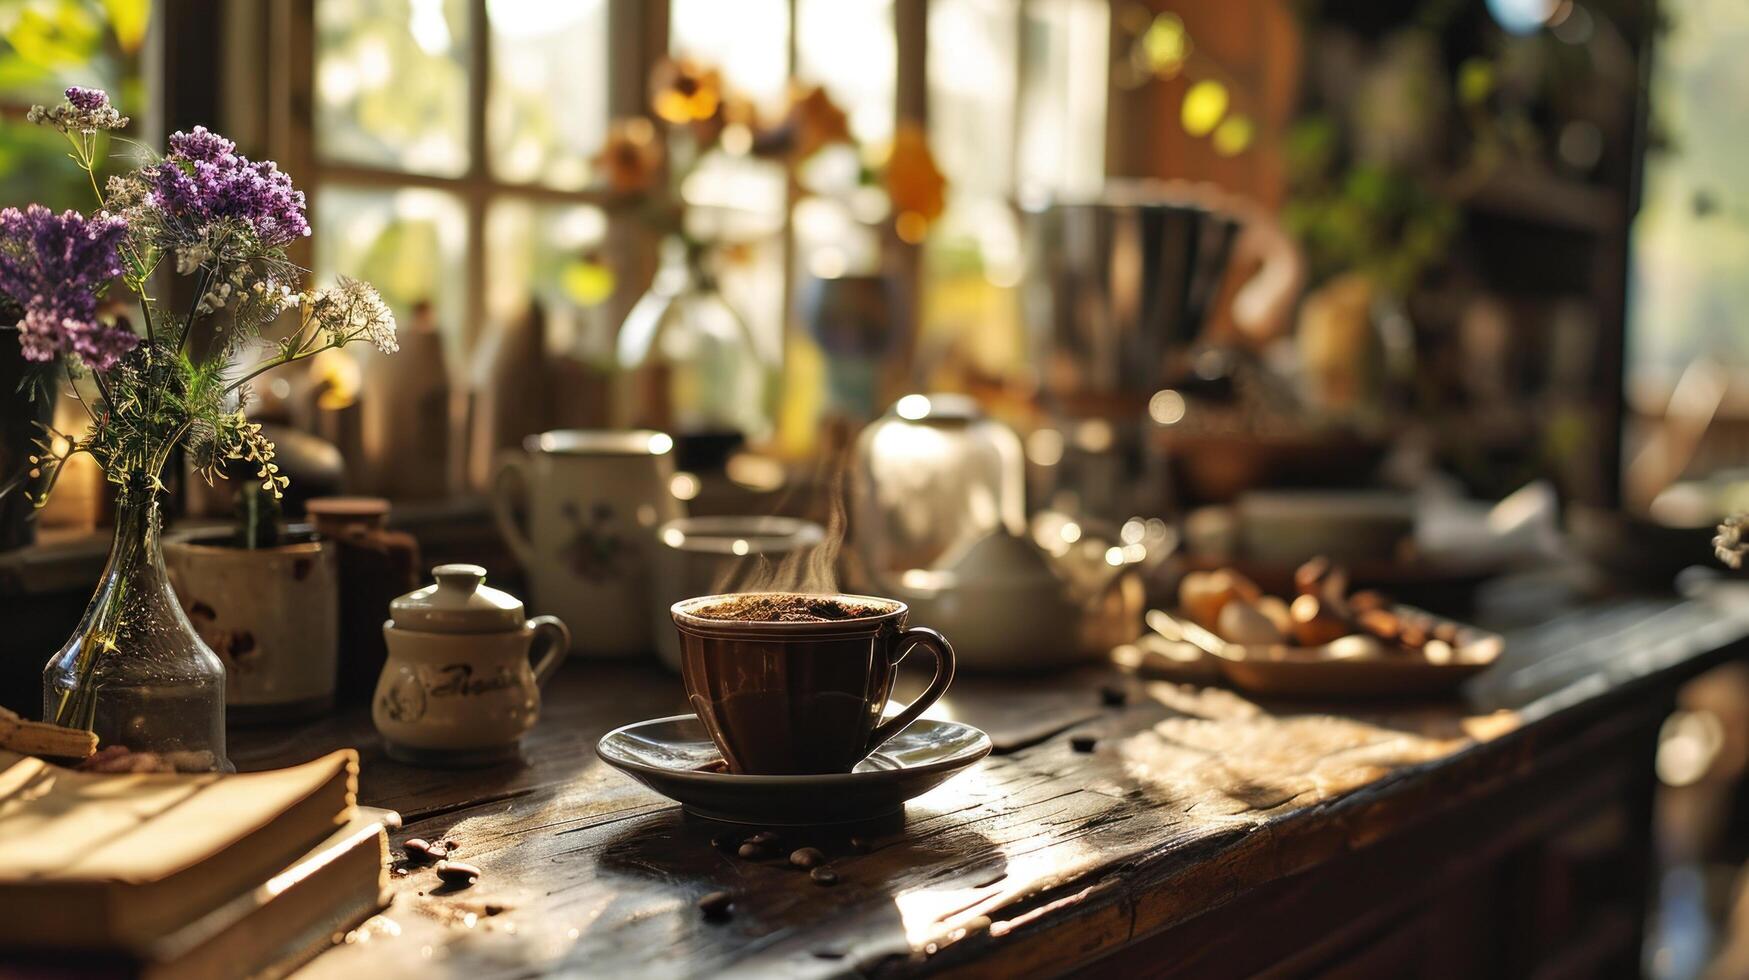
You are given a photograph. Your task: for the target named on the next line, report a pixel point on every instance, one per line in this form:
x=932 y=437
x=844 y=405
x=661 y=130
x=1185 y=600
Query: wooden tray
x=1352 y=667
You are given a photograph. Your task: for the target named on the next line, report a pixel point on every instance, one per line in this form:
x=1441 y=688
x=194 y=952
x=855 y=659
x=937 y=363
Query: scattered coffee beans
x=457 y=873
x=824 y=876
x=752 y=851
x=807 y=857
x=418 y=849
x=716 y=905
x=1083 y=743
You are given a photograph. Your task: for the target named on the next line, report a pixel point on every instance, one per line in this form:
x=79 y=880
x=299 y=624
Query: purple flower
x=53 y=266
x=86 y=110
x=204 y=180
x=87 y=99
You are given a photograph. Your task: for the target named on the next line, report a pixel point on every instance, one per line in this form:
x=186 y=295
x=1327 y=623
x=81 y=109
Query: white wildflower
x=353 y=310
x=1732 y=542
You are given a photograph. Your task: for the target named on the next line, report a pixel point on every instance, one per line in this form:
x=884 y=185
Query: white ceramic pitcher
x=591 y=502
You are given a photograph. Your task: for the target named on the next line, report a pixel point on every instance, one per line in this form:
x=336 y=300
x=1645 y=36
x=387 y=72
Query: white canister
x=459 y=688
x=590 y=503
x=271 y=614
x=712 y=555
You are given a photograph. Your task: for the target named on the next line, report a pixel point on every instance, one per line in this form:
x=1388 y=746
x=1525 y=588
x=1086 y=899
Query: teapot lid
x=460 y=602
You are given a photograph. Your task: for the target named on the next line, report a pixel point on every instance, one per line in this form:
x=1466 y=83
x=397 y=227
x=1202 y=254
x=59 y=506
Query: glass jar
x=135 y=672
x=933 y=475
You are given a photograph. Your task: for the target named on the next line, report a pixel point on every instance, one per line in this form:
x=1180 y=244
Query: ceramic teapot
x=459 y=688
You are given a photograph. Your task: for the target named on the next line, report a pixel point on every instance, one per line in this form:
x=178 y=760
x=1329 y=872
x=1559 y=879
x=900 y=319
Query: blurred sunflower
x=683 y=91
x=915 y=184
x=631 y=159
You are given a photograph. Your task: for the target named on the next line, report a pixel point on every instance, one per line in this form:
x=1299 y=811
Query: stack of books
x=168 y=875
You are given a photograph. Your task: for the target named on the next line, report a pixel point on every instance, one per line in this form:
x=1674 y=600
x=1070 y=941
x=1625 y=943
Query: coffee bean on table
x=752 y=851
x=807 y=857
x=437 y=852
x=716 y=905
x=1083 y=743
x=824 y=876
x=765 y=837
x=457 y=873
x=1113 y=696
x=418 y=849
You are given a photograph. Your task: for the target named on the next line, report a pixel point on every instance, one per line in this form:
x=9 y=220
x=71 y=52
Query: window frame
x=638 y=39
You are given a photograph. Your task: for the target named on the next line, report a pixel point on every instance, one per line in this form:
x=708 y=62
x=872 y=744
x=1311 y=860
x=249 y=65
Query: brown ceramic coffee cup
x=801 y=696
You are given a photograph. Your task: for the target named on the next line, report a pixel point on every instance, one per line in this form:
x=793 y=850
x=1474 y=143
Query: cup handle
x=509 y=483
x=558 y=638
x=936 y=644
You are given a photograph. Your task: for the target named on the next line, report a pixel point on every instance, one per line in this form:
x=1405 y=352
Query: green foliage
x=1385 y=223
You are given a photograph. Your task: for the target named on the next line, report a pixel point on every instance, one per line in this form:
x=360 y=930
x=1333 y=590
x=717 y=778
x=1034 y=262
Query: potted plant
x=135 y=671
x=266 y=600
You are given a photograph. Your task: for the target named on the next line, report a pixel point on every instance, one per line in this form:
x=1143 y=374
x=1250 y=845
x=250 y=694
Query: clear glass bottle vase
x=691 y=366
x=135 y=672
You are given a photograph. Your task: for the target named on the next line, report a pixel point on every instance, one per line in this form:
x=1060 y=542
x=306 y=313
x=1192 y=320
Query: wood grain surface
x=1040 y=859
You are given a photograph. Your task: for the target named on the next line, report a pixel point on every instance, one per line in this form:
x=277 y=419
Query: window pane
x=847 y=46
x=972 y=74
x=547 y=101
x=392 y=84
x=541 y=252
x=409 y=243
x=972 y=256
x=1062 y=103
x=1688 y=297
x=747 y=39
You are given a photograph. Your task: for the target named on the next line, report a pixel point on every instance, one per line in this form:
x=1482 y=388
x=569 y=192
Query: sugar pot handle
x=552 y=631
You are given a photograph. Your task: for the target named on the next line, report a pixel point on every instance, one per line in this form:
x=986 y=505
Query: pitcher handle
x=512 y=471
x=558 y=640
x=918 y=636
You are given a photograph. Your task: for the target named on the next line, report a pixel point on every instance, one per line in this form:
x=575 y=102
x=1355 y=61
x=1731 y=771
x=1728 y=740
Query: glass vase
x=688 y=359
x=135 y=672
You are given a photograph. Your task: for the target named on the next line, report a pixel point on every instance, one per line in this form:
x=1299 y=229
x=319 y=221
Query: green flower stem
x=279 y=361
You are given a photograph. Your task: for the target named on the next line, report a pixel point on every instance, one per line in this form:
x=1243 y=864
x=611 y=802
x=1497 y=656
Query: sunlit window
x=1029 y=79
x=409 y=243
x=748 y=41
x=392 y=84
x=44 y=49
x=551 y=255
x=1688 y=297
x=548 y=110
x=848 y=46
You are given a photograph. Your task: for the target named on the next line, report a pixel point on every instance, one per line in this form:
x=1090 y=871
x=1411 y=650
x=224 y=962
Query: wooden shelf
x=1523 y=193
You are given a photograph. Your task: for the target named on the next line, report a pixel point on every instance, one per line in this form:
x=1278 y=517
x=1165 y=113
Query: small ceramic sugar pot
x=459 y=688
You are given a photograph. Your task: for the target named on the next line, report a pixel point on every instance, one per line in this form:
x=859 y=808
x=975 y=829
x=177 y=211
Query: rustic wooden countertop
x=1037 y=860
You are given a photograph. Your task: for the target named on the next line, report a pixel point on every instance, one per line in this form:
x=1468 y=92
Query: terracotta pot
x=271 y=614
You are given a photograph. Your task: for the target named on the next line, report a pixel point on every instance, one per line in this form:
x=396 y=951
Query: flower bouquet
x=202 y=215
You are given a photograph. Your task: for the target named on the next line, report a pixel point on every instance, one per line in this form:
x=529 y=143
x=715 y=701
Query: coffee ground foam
x=780 y=608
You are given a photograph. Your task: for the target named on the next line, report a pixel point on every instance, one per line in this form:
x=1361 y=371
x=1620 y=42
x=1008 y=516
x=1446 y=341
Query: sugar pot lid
x=460 y=602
